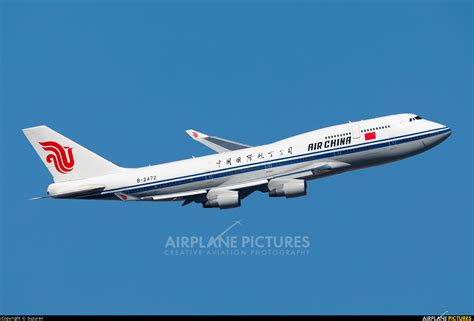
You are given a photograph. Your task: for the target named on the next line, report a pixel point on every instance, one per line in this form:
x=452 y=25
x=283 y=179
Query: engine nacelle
x=222 y=199
x=287 y=187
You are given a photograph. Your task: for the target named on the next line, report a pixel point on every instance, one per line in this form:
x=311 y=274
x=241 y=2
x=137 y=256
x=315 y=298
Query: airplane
x=236 y=170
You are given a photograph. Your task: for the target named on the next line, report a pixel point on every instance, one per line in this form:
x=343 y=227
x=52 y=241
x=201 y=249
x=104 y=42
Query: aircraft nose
x=443 y=133
x=432 y=125
x=449 y=132
x=446 y=130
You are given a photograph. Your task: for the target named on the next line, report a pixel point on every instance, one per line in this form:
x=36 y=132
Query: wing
x=245 y=189
x=217 y=144
x=199 y=196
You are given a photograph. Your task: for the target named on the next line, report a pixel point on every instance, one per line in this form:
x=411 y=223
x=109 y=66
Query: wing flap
x=78 y=191
x=174 y=196
x=331 y=165
x=242 y=185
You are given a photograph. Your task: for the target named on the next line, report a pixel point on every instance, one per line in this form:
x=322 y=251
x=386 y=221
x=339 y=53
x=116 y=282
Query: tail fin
x=67 y=160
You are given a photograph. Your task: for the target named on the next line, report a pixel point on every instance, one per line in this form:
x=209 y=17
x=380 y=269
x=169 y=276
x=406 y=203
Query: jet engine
x=222 y=199
x=287 y=187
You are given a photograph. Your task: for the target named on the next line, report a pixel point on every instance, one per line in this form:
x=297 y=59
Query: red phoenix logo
x=64 y=163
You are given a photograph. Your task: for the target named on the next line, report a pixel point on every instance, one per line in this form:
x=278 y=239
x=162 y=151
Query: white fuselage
x=345 y=147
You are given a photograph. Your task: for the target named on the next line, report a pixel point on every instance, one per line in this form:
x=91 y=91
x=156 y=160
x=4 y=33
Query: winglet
x=194 y=134
x=217 y=144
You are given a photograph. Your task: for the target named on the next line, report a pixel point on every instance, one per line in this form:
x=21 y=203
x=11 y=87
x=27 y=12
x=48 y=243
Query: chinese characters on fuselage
x=259 y=156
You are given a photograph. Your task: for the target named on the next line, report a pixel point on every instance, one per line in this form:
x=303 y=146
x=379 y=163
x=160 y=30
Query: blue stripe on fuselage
x=145 y=187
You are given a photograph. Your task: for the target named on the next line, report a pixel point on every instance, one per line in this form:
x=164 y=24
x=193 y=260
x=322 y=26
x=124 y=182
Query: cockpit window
x=415 y=118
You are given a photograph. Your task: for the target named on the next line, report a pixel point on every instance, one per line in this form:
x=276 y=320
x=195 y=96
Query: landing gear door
x=356 y=130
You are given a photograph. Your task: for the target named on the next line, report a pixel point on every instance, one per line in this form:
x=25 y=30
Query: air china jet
x=222 y=180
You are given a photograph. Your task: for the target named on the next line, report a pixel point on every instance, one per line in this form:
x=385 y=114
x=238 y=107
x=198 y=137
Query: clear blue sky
x=126 y=80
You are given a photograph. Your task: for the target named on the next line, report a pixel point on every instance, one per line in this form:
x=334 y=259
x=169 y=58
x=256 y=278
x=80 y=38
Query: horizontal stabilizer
x=39 y=198
x=59 y=192
x=217 y=144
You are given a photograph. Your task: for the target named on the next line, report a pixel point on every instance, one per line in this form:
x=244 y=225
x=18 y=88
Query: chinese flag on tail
x=370 y=136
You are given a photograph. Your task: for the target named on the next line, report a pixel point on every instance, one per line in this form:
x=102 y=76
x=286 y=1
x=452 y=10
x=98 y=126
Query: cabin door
x=356 y=131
